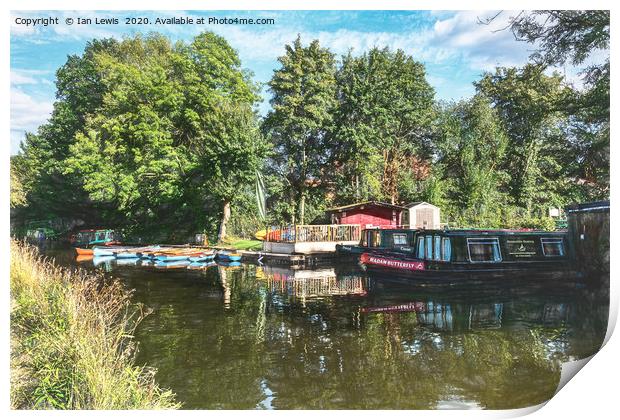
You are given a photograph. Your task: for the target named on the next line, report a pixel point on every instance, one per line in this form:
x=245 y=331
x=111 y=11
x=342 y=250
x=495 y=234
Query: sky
x=453 y=45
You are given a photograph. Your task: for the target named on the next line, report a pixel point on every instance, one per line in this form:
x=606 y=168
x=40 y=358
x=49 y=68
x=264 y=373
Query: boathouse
x=423 y=215
x=588 y=227
x=369 y=214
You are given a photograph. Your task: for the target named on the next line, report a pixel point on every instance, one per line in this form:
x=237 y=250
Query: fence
x=314 y=233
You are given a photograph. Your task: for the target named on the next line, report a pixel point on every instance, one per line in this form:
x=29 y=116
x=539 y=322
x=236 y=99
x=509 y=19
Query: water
x=252 y=337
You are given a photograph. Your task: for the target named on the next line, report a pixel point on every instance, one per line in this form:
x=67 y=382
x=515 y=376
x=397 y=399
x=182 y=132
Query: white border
x=592 y=394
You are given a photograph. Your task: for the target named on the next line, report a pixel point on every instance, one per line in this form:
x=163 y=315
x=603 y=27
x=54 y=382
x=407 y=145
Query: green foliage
x=71 y=341
x=162 y=140
x=159 y=133
x=383 y=123
x=471 y=147
x=304 y=96
x=529 y=104
x=572 y=36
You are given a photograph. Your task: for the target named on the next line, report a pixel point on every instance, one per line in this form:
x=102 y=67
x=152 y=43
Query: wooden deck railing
x=314 y=233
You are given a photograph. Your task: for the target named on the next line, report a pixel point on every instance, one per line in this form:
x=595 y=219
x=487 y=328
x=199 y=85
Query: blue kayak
x=102 y=259
x=172 y=264
x=202 y=258
x=103 y=252
x=199 y=265
x=127 y=254
x=170 y=258
x=127 y=261
x=225 y=256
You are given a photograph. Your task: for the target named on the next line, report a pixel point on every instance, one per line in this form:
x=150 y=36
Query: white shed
x=423 y=215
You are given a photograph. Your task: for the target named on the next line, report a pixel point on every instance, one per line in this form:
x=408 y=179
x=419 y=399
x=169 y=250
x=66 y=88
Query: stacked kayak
x=228 y=256
x=160 y=256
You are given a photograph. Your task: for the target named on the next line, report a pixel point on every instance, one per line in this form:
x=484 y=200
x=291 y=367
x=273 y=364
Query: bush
x=71 y=340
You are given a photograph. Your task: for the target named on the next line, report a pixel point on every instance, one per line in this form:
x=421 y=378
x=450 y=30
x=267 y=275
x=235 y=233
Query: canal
x=256 y=337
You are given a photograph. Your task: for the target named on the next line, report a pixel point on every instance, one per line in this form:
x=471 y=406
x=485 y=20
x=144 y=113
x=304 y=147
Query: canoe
x=84 y=251
x=82 y=258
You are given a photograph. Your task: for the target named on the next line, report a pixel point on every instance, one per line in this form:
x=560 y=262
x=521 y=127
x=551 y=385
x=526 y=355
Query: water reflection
x=252 y=337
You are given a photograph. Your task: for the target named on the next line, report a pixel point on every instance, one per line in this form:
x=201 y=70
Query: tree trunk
x=225 y=218
x=302 y=208
x=304 y=174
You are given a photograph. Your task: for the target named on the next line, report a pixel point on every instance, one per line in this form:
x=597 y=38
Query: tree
x=572 y=36
x=383 y=122
x=303 y=91
x=471 y=150
x=530 y=105
x=175 y=137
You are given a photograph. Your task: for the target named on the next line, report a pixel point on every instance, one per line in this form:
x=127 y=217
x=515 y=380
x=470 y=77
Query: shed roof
x=368 y=203
x=418 y=203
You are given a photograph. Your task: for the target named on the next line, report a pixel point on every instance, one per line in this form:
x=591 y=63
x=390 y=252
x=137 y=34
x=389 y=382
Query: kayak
x=97 y=260
x=202 y=258
x=127 y=261
x=171 y=264
x=127 y=255
x=200 y=265
x=170 y=257
x=228 y=264
x=103 y=252
x=227 y=256
x=84 y=251
x=82 y=258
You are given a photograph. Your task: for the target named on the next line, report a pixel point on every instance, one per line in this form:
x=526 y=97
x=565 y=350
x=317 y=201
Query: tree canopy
x=163 y=139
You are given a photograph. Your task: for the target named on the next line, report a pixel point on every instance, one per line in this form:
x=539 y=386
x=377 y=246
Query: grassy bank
x=242 y=244
x=71 y=341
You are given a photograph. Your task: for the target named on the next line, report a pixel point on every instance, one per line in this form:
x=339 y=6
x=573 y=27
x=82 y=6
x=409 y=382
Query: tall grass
x=71 y=340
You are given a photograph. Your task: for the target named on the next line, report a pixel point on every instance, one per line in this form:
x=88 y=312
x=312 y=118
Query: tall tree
x=304 y=95
x=575 y=37
x=530 y=105
x=175 y=136
x=384 y=120
x=471 y=149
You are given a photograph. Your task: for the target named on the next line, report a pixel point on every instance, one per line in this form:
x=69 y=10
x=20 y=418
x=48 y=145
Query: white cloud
x=27 y=113
x=28 y=77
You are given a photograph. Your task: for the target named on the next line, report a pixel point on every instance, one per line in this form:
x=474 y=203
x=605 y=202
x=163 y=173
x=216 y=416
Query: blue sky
x=455 y=48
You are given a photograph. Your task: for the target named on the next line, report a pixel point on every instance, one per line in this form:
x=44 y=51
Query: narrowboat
x=464 y=253
x=398 y=240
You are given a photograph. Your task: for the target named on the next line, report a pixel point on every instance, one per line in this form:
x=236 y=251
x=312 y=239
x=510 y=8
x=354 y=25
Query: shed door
x=424 y=218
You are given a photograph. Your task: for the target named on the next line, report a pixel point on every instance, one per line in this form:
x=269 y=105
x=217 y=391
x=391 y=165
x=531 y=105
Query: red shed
x=369 y=214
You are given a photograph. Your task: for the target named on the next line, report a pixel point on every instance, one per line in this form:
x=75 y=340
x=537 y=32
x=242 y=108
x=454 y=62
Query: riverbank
x=72 y=340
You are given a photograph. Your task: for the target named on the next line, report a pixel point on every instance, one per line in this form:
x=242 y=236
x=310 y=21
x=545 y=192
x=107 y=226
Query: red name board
x=367 y=259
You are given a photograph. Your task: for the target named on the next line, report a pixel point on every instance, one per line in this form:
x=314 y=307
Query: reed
x=72 y=343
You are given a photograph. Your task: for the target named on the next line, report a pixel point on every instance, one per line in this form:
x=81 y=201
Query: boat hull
x=84 y=251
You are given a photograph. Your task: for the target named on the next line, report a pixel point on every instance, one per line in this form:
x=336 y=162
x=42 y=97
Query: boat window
x=376 y=239
x=446 y=249
x=552 y=247
x=400 y=238
x=420 y=247
x=429 y=247
x=437 y=253
x=484 y=250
